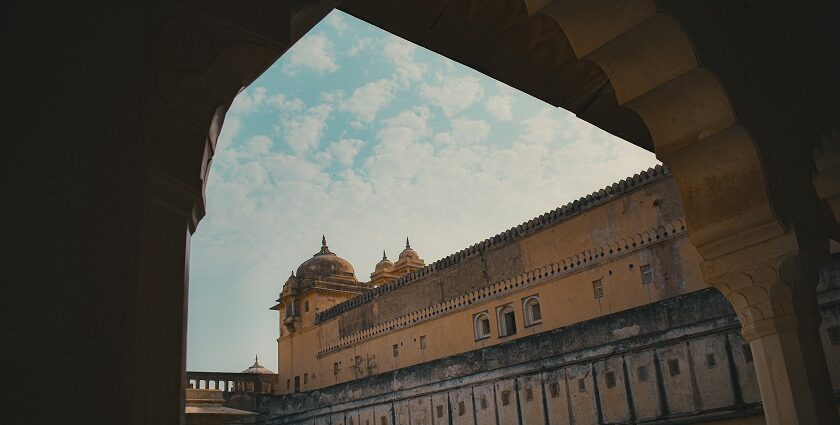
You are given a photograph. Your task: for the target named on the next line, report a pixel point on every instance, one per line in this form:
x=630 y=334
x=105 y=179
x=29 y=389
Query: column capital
x=771 y=285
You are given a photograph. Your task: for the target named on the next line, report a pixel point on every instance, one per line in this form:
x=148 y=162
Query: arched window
x=507 y=320
x=531 y=310
x=481 y=325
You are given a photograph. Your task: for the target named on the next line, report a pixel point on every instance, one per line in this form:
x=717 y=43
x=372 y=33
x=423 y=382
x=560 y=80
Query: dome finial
x=324 y=248
x=384 y=257
x=407 y=244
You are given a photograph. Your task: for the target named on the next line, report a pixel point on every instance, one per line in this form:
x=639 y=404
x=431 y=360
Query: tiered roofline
x=529 y=227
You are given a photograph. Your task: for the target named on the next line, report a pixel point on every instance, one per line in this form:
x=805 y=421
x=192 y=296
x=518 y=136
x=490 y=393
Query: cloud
x=499 y=107
x=314 y=52
x=345 y=150
x=401 y=55
x=367 y=100
x=358 y=46
x=453 y=94
x=464 y=131
x=337 y=21
x=303 y=132
x=248 y=100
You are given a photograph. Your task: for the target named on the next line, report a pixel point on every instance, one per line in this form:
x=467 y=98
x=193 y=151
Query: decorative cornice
x=566 y=266
x=529 y=227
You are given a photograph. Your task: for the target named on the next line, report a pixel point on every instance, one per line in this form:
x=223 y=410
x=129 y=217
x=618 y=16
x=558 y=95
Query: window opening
x=598 y=288
x=647 y=273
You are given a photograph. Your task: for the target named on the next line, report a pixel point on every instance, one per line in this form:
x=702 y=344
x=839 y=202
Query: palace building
x=604 y=297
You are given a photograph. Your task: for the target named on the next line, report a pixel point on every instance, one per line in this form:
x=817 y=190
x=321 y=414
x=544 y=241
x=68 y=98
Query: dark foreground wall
x=679 y=359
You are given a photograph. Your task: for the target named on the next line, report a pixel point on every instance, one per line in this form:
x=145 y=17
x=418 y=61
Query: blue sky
x=359 y=135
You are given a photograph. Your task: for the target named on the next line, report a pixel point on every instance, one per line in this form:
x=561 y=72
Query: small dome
x=408 y=252
x=385 y=264
x=325 y=264
x=257 y=368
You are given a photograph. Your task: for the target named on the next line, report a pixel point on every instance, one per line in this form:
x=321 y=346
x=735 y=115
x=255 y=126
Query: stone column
x=772 y=287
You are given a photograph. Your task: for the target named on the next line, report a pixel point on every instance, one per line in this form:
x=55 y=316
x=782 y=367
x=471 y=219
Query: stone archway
x=119 y=107
x=629 y=68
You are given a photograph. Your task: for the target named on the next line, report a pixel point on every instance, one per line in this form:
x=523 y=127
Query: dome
x=408 y=252
x=325 y=264
x=257 y=368
x=384 y=265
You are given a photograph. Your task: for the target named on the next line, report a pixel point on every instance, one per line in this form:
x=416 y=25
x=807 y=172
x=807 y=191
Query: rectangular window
x=297 y=383
x=439 y=411
x=483 y=403
x=647 y=273
x=288 y=384
x=506 y=319
x=610 y=378
x=306 y=306
x=710 y=360
x=834 y=335
x=396 y=348
x=336 y=369
x=529 y=394
x=554 y=390
x=674 y=367
x=357 y=362
x=423 y=344
x=598 y=288
x=748 y=357
x=642 y=373
x=305 y=378
x=581 y=386
x=505 y=398
x=462 y=409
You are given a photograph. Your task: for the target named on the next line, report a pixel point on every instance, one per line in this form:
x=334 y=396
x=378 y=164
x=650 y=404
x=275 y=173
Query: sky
x=368 y=139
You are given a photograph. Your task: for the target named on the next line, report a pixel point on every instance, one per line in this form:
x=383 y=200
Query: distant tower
x=408 y=261
x=383 y=272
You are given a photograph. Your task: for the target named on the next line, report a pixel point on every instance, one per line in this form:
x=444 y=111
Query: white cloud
x=499 y=107
x=345 y=150
x=367 y=100
x=464 y=131
x=401 y=55
x=282 y=103
x=358 y=46
x=248 y=100
x=337 y=21
x=303 y=132
x=453 y=94
x=314 y=52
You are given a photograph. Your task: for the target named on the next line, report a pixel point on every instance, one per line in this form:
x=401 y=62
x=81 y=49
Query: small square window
x=674 y=367
x=647 y=274
x=554 y=389
x=529 y=394
x=834 y=335
x=598 y=288
x=462 y=409
x=483 y=402
x=439 y=411
x=642 y=373
x=748 y=357
x=610 y=378
x=396 y=348
x=710 y=360
x=423 y=344
x=581 y=386
x=505 y=398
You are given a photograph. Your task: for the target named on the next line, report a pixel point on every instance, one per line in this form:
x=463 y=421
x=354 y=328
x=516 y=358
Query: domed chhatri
x=408 y=252
x=257 y=368
x=327 y=266
x=409 y=261
x=384 y=264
